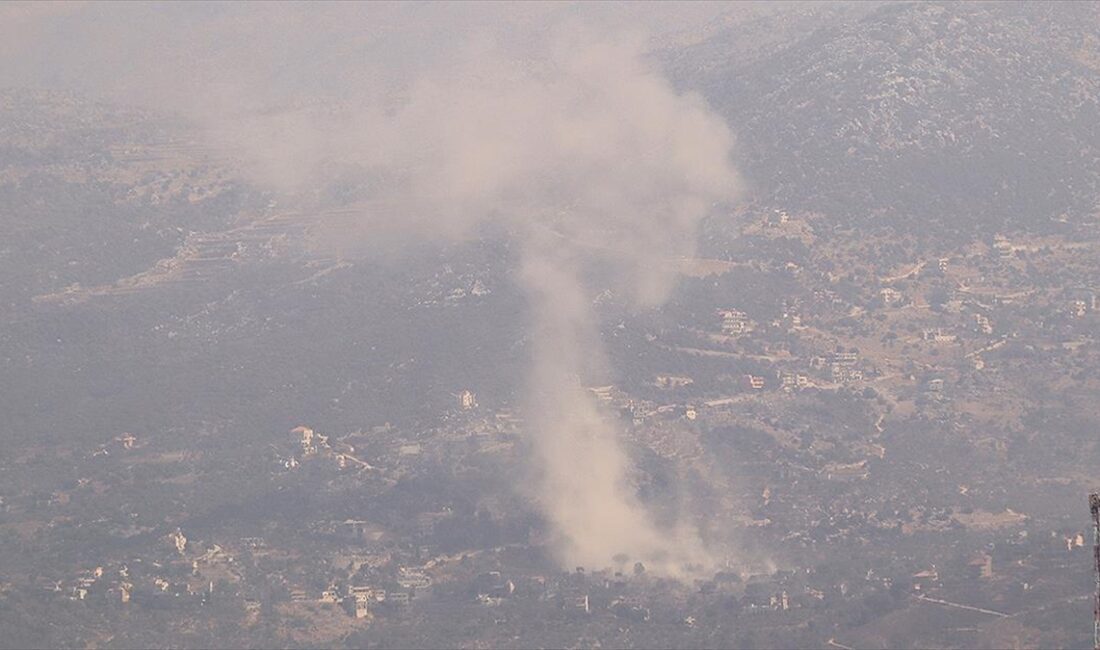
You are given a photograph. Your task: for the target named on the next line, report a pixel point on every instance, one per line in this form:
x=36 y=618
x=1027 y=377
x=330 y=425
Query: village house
x=777 y=218
x=673 y=381
x=925 y=580
x=178 y=541
x=983 y=324
x=981 y=566
x=790 y=381
x=842 y=374
x=857 y=471
x=310 y=440
x=735 y=323
x=890 y=296
x=413 y=578
x=937 y=335
x=581 y=604
x=467 y=400
x=331 y=596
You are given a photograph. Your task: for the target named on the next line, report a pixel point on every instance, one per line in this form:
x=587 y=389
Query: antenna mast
x=1094 y=505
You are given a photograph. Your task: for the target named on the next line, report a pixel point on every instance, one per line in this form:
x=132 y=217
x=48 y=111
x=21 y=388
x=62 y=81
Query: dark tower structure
x=1094 y=505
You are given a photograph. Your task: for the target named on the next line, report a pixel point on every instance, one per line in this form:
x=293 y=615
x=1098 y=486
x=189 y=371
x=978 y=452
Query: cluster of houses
x=118 y=583
x=358 y=599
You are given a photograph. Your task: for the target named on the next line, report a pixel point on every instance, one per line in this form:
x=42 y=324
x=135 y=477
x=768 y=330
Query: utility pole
x=1094 y=505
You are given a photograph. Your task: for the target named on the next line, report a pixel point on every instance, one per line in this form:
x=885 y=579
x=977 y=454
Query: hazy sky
x=182 y=53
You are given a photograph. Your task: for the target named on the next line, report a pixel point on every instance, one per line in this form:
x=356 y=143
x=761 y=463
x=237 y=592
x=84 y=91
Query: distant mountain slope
x=91 y=193
x=959 y=114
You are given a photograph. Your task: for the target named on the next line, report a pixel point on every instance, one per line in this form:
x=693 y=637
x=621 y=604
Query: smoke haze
x=584 y=156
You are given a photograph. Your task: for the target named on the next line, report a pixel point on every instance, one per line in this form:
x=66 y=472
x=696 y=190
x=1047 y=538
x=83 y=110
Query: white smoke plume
x=586 y=155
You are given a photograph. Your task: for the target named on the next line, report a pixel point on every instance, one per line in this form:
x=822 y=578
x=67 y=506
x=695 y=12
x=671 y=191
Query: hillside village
x=873 y=390
x=809 y=418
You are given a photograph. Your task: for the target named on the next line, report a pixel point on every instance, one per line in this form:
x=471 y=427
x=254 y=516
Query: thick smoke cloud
x=584 y=156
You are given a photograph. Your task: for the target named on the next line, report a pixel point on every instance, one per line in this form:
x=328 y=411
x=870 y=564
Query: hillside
x=956 y=114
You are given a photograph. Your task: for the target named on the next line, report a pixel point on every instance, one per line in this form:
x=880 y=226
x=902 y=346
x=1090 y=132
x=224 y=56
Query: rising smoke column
x=587 y=157
x=584 y=155
x=582 y=480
